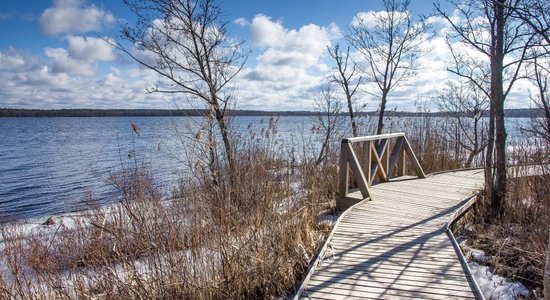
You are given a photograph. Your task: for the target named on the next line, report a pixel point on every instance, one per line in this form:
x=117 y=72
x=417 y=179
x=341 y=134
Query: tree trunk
x=471 y=156
x=380 y=126
x=489 y=151
x=351 y=115
x=226 y=140
x=546 y=108
x=498 y=191
x=324 y=150
x=547 y=272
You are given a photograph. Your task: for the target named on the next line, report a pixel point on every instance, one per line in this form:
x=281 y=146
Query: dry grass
x=516 y=244
x=250 y=237
x=208 y=242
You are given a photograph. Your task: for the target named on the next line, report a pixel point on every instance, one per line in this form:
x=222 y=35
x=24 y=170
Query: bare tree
x=327 y=120
x=390 y=42
x=489 y=28
x=347 y=78
x=540 y=77
x=535 y=14
x=465 y=104
x=185 y=42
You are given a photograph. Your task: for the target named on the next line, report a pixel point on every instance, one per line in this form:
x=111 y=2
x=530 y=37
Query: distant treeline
x=17 y=112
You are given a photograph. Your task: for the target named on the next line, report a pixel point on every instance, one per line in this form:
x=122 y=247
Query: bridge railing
x=373 y=157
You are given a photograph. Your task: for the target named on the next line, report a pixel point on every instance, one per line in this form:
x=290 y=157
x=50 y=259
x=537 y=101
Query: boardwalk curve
x=397 y=245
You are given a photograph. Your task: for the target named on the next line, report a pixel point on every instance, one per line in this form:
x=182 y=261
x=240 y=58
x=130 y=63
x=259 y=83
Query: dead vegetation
x=200 y=244
x=516 y=243
x=255 y=243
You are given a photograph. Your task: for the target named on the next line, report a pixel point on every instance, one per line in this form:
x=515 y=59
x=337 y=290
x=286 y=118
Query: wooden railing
x=369 y=157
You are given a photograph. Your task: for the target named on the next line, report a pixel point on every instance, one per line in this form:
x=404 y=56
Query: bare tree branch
x=186 y=43
x=391 y=47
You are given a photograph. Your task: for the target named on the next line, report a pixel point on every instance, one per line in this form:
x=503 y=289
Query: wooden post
x=401 y=168
x=343 y=186
x=386 y=159
x=395 y=157
x=417 y=167
x=357 y=171
x=367 y=148
x=378 y=164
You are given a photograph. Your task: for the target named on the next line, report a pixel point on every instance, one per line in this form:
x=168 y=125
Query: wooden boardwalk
x=397 y=245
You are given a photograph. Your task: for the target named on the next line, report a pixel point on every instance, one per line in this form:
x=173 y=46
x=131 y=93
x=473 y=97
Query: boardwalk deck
x=397 y=246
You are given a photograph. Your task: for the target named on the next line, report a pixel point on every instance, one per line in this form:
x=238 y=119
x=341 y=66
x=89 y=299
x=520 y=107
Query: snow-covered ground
x=492 y=285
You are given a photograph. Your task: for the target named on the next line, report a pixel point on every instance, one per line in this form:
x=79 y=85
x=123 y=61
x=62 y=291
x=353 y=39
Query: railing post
x=368 y=164
x=343 y=186
x=417 y=167
x=379 y=162
x=386 y=160
x=401 y=167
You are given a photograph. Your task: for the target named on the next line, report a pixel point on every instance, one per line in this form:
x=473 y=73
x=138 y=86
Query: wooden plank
x=345 y=269
x=378 y=164
x=343 y=186
x=418 y=255
x=389 y=262
x=417 y=167
x=386 y=158
x=404 y=283
x=357 y=171
x=395 y=158
x=457 y=280
x=396 y=246
x=354 y=290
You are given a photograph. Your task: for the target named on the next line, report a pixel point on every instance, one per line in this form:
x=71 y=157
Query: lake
x=47 y=165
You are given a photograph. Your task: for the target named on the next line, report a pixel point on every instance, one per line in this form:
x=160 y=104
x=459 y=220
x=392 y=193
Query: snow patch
x=494 y=286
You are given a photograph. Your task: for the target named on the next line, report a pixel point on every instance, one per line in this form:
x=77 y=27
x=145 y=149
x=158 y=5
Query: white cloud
x=71 y=16
x=266 y=32
x=289 y=68
x=90 y=49
x=62 y=62
x=371 y=18
x=34 y=83
x=44 y=77
x=80 y=57
x=298 y=48
x=242 y=22
x=8 y=61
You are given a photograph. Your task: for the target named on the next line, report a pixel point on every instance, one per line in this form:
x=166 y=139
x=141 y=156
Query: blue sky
x=51 y=56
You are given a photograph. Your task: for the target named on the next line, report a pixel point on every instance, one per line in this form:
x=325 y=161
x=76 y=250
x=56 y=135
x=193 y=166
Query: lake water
x=47 y=165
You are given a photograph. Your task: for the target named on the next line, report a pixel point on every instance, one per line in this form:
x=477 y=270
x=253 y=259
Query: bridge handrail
x=385 y=154
x=374 y=137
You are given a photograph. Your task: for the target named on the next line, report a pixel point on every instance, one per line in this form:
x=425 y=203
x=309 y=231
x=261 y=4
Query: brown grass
x=516 y=244
x=251 y=237
x=204 y=243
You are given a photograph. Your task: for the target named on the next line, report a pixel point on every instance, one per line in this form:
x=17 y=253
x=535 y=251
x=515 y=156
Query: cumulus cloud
x=242 y=22
x=62 y=62
x=12 y=61
x=289 y=67
x=16 y=60
x=28 y=81
x=80 y=56
x=371 y=18
x=72 y=16
x=299 y=48
x=90 y=49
